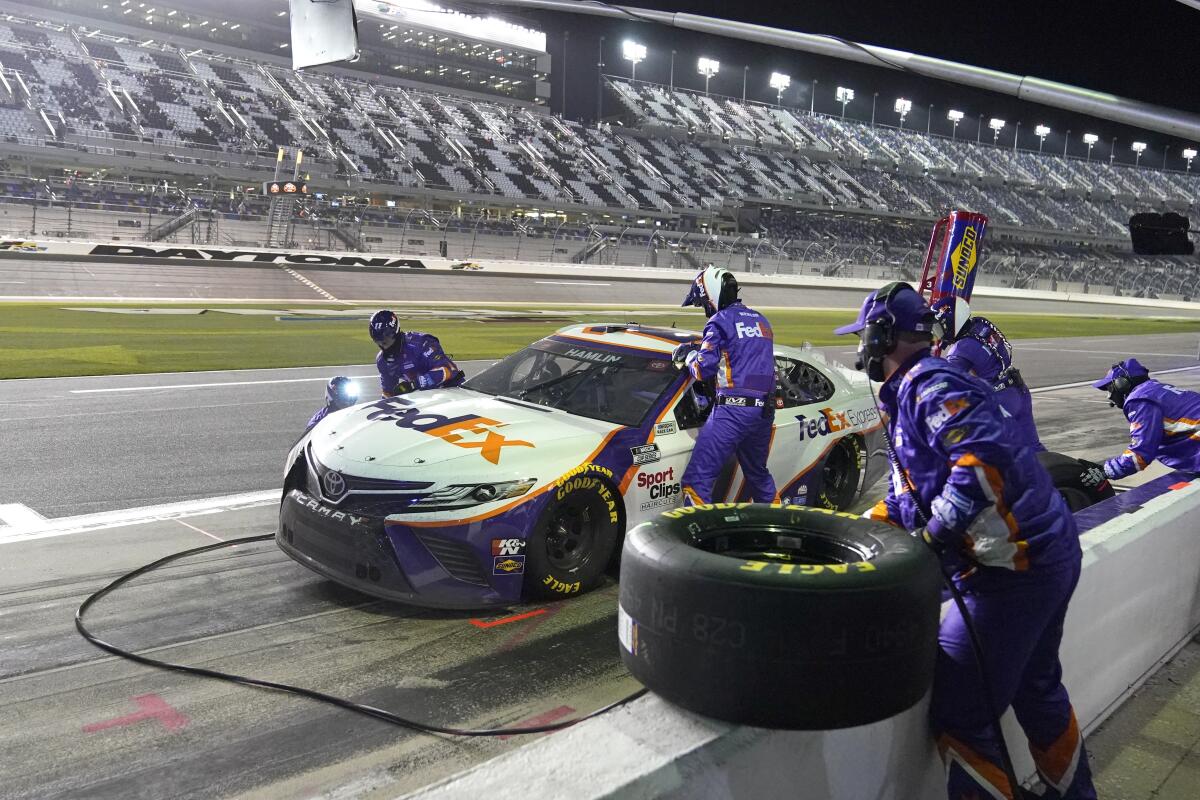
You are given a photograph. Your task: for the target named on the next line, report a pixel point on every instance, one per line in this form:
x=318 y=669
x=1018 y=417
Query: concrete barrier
x=1137 y=603
x=158 y=253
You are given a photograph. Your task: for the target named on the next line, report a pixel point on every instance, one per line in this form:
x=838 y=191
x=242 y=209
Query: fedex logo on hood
x=469 y=431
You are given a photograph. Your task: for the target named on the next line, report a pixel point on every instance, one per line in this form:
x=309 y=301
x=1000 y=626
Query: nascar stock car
x=520 y=483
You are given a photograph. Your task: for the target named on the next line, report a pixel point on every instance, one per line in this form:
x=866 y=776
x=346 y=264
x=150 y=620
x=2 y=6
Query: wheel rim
x=836 y=474
x=570 y=538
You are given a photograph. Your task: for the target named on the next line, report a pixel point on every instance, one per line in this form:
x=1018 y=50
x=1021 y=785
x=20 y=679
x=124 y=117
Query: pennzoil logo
x=964 y=257
x=470 y=431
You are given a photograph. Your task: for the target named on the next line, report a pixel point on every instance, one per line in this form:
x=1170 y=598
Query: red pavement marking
x=522 y=635
x=1180 y=485
x=151 y=707
x=478 y=623
x=553 y=715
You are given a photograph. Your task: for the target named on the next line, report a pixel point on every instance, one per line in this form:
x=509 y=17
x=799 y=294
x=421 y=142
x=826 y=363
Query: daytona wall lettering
x=258 y=257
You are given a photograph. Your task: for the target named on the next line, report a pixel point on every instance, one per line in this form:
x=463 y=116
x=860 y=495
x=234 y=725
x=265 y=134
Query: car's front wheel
x=574 y=540
x=1081 y=483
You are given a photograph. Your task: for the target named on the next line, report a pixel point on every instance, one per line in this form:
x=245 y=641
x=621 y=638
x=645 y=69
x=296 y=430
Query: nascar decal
x=468 y=431
x=665 y=428
x=258 y=257
x=645 y=454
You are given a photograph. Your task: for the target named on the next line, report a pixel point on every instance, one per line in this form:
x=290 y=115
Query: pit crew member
x=409 y=361
x=974 y=344
x=738 y=350
x=340 y=393
x=1005 y=537
x=1164 y=422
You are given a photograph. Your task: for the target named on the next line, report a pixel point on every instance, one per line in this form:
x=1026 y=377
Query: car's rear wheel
x=574 y=540
x=1081 y=483
x=841 y=474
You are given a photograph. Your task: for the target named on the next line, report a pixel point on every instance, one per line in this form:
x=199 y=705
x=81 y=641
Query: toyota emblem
x=335 y=485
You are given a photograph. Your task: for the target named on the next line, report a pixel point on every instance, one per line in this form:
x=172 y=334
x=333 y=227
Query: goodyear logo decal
x=964 y=256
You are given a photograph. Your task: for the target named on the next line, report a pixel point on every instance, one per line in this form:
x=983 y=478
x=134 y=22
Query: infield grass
x=54 y=340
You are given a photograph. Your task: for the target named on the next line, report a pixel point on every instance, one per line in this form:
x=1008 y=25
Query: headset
x=878 y=339
x=1120 y=387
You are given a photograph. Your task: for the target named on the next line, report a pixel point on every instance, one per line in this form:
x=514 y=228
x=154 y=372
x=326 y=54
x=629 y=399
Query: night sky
x=1142 y=49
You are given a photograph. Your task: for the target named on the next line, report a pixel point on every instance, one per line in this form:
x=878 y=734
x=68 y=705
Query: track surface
x=75 y=722
x=32 y=278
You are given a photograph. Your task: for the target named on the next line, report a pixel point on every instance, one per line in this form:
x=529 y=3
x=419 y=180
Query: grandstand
x=434 y=118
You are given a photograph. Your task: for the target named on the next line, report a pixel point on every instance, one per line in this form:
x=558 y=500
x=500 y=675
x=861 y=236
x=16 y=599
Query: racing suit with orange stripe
x=738 y=350
x=1164 y=424
x=1011 y=544
x=417 y=359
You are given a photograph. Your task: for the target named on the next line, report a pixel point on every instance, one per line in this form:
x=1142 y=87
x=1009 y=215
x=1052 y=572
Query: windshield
x=579 y=379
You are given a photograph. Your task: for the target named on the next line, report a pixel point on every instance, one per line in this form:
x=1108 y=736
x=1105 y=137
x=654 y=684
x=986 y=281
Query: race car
x=520 y=484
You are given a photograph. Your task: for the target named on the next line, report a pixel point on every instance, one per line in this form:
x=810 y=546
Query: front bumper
x=438 y=567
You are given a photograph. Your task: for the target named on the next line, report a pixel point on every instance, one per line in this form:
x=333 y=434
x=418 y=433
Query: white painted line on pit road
x=200 y=530
x=210 y=385
x=1123 y=353
x=572 y=283
x=15 y=514
x=1078 y=384
x=87 y=523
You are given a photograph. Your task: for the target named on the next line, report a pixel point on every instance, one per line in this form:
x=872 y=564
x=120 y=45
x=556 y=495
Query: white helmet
x=708 y=288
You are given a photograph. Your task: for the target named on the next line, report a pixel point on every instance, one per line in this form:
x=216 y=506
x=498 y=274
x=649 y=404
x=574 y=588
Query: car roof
x=632 y=335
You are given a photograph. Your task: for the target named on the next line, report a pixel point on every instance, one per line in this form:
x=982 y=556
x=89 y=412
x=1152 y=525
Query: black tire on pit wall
x=780 y=617
x=1081 y=483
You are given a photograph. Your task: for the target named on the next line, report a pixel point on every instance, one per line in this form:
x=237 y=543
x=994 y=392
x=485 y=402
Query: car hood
x=456 y=434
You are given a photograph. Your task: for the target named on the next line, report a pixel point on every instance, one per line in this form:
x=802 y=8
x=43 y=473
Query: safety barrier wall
x=152 y=253
x=1137 y=603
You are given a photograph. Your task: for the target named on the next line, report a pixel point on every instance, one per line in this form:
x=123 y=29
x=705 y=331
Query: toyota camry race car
x=520 y=483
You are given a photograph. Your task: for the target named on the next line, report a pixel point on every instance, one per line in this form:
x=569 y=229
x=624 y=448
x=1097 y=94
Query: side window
x=799 y=383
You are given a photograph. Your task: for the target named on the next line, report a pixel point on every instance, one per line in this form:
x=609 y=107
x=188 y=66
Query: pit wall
x=1137 y=604
x=166 y=253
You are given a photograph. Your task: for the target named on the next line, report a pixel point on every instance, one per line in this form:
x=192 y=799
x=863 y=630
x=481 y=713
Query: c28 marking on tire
x=718 y=631
x=562 y=588
x=767 y=567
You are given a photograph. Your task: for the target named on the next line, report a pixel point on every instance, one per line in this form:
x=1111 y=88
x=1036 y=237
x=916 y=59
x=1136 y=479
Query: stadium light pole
x=1139 y=148
x=996 y=125
x=671 y=80
x=1166 y=149
x=1090 y=140
x=955 y=117
x=1067 y=141
x=780 y=82
x=1112 y=151
x=600 y=81
x=844 y=96
x=707 y=67
x=745 y=77
x=979 y=131
x=902 y=107
x=812 y=98
x=1188 y=154
x=634 y=53
x=929 y=120
x=1042 y=132
x=874 y=100
x=1016 y=135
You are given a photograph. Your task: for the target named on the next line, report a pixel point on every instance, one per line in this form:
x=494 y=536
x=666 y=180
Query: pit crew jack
x=1164 y=422
x=738 y=350
x=416 y=361
x=1011 y=545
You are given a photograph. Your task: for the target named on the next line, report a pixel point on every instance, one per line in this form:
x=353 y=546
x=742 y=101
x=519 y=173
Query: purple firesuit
x=418 y=359
x=738 y=350
x=982 y=349
x=1011 y=544
x=1164 y=424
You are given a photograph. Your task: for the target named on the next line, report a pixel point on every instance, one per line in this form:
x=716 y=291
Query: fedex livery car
x=520 y=483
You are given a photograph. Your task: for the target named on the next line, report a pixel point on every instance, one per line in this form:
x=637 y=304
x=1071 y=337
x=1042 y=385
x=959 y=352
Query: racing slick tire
x=841 y=473
x=780 y=617
x=1081 y=483
x=575 y=538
